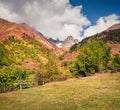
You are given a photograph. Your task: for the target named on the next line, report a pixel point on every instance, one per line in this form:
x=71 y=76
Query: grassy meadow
x=98 y=92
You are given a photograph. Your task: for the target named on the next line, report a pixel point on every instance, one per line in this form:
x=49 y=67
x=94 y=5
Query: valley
x=27 y=56
x=59 y=55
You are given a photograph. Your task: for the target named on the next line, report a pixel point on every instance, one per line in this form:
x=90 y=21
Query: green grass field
x=98 y=92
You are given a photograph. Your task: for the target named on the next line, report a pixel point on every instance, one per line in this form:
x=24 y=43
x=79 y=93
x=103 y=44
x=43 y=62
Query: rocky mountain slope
x=113 y=27
x=25 y=56
x=24 y=31
x=66 y=44
x=55 y=41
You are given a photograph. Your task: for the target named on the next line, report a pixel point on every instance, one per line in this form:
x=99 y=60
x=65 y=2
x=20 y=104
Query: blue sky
x=94 y=9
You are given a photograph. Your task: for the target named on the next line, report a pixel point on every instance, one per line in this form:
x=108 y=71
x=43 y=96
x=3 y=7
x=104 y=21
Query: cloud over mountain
x=102 y=24
x=54 y=18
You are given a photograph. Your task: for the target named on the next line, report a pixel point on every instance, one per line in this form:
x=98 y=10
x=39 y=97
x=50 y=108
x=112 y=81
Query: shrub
x=47 y=73
x=65 y=63
x=4 y=56
x=9 y=76
x=115 y=64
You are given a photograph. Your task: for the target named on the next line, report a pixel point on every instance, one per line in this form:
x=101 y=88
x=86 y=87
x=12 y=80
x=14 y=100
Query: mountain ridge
x=110 y=36
x=66 y=44
x=23 y=30
x=113 y=27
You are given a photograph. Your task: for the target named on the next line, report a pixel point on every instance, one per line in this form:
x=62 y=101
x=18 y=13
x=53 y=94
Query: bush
x=65 y=63
x=115 y=63
x=4 y=56
x=47 y=73
x=9 y=76
x=61 y=57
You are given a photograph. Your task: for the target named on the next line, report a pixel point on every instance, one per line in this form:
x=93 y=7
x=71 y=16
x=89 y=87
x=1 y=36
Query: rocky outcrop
x=68 y=42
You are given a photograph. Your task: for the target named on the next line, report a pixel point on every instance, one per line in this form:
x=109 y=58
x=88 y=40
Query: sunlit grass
x=99 y=92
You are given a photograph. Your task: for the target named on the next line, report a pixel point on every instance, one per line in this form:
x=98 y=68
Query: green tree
x=48 y=72
x=93 y=57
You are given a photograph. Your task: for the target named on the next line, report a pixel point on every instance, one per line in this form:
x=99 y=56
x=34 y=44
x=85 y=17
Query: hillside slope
x=24 y=56
x=23 y=30
x=101 y=91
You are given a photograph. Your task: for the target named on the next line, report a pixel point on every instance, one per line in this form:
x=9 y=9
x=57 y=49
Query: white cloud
x=54 y=18
x=102 y=24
